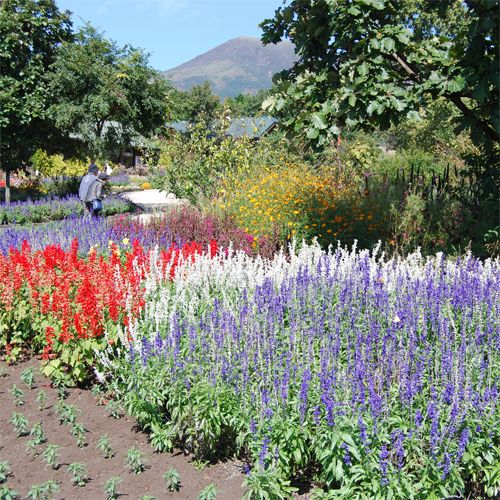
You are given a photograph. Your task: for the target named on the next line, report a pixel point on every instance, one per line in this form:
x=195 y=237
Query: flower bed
x=382 y=376
x=59 y=303
x=24 y=212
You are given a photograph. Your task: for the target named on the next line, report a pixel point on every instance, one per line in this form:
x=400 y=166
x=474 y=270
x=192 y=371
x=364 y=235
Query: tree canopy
x=30 y=33
x=366 y=63
x=106 y=95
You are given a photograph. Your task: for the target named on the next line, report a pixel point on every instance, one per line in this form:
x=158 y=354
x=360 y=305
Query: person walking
x=85 y=184
x=96 y=194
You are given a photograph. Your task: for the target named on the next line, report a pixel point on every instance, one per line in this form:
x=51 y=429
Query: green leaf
x=312 y=133
x=388 y=44
x=318 y=121
x=352 y=99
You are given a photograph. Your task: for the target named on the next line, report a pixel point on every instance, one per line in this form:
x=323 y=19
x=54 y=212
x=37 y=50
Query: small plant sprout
x=37 y=433
x=20 y=423
x=4 y=471
x=50 y=455
x=60 y=385
x=7 y=494
x=148 y=497
x=200 y=464
x=17 y=395
x=68 y=414
x=135 y=460
x=105 y=447
x=2 y=371
x=209 y=492
x=110 y=487
x=32 y=447
x=78 y=470
x=114 y=408
x=43 y=491
x=172 y=478
x=79 y=431
x=41 y=399
x=28 y=377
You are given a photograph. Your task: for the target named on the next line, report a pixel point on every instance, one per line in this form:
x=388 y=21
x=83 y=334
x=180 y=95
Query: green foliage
x=41 y=398
x=209 y=492
x=110 y=487
x=106 y=94
x=68 y=413
x=50 y=455
x=78 y=470
x=361 y=64
x=30 y=33
x=104 y=445
x=114 y=408
x=55 y=165
x=4 y=471
x=28 y=377
x=7 y=493
x=79 y=431
x=162 y=437
x=20 y=423
x=135 y=461
x=38 y=434
x=267 y=486
x=194 y=166
x=198 y=104
x=17 y=395
x=172 y=478
x=43 y=491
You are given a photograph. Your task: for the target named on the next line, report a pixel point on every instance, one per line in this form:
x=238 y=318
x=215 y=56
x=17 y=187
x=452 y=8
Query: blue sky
x=174 y=31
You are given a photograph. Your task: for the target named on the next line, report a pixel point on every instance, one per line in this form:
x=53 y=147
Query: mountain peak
x=240 y=65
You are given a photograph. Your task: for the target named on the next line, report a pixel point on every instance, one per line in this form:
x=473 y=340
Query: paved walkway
x=152 y=200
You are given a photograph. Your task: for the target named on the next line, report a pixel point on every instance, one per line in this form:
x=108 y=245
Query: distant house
x=247 y=126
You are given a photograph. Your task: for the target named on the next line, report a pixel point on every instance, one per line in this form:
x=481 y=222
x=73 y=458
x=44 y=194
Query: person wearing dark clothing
x=85 y=184
x=96 y=192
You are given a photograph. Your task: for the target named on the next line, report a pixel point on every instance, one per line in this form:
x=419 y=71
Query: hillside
x=241 y=65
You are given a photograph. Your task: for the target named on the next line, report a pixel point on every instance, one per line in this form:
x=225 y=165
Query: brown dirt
x=123 y=433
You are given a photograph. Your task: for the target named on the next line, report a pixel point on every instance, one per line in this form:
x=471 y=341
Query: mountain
x=241 y=65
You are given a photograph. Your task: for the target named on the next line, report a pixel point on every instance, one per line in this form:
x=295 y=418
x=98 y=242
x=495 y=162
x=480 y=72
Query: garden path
x=152 y=200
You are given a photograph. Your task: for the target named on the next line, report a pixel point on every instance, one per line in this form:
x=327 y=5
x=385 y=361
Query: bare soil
x=123 y=433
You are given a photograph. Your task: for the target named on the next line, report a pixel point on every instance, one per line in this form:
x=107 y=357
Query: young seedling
x=105 y=447
x=41 y=398
x=7 y=494
x=209 y=492
x=20 y=423
x=28 y=377
x=172 y=478
x=79 y=431
x=32 y=447
x=200 y=464
x=43 y=491
x=17 y=395
x=68 y=414
x=135 y=460
x=38 y=434
x=2 y=371
x=110 y=487
x=114 y=409
x=4 y=471
x=148 y=497
x=78 y=471
x=60 y=385
x=50 y=455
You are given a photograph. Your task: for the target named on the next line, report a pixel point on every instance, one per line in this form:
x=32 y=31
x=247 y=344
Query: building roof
x=248 y=126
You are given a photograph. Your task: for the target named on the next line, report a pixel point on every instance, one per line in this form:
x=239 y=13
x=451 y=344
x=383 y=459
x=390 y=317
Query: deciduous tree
x=367 y=63
x=105 y=94
x=30 y=32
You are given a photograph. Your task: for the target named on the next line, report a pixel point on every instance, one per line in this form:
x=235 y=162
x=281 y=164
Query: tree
x=30 y=32
x=105 y=94
x=197 y=104
x=365 y=63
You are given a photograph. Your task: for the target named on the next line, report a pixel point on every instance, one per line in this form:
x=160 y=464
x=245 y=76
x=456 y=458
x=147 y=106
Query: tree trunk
x=7 y=186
